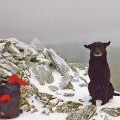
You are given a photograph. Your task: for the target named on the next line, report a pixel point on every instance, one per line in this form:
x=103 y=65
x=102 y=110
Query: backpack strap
x=15 y=78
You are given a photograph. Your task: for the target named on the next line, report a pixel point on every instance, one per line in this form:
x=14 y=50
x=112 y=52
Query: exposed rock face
x=115 y=112
x=68 y=107
x=65 y=83
x=68 y=94
x=59 y=62
x=76 y=115
x=42 y=74
x=16 y=57
x=83 y=114
x=53 y=88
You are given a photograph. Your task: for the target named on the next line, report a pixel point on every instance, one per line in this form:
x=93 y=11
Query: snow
x=38 y=116
x=80 y=93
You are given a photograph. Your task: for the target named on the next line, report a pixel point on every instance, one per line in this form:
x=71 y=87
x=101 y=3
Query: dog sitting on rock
x=100 y=87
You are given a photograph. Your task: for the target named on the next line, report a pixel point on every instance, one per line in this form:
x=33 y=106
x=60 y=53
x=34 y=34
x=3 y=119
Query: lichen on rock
x=68 y=107
x=115 y=112
x=65 y=83
x=83 y=114
x=42 y=74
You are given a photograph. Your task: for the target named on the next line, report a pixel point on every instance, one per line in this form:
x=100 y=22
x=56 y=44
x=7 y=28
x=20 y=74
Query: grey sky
x=59 y=21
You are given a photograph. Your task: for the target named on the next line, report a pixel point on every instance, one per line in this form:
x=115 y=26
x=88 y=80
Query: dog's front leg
x=104 y=101
x=105 y=97
x=92 y=92
x=93 y=101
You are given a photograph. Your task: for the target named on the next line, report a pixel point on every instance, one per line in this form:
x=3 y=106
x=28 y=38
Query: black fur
x=100 y=87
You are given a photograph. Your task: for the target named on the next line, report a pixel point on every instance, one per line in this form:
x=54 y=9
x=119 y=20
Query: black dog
x=100 y=87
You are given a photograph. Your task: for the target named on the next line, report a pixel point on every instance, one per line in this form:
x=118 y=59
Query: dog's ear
x=107 y=44
x=87 y=46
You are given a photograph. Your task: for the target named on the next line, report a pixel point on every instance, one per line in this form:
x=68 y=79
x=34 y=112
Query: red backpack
x=10 y=97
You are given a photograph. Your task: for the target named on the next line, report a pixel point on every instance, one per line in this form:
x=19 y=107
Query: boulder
x=115 y=112
x=59 y=62
x=42 y=74
x=65 y=83
x=68 y=107
x=53 y=88
x=83 y=114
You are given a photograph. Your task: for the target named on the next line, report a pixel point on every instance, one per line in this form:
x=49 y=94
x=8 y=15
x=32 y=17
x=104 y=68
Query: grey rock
x=115 y=112
x=75 y=80
x=53 y=88
x=42 y=74
x=11 y=48
x=68 y=94
x=68 y=107
x=83 y=85
x=75 y=115
x=83 y=114
x=85 y=81
x=8 y=65
x=59 y=62
x=65 y=83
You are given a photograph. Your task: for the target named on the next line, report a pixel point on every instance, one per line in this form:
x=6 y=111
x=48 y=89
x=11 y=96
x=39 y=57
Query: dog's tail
x=116 y=94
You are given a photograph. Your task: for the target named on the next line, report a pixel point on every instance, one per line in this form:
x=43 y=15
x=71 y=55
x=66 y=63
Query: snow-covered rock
x=60 y=63
x=53 y=88
x=83 y=114
x=65 y=83
x=42 y=74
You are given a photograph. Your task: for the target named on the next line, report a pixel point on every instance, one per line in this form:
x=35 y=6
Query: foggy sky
x=61 y=21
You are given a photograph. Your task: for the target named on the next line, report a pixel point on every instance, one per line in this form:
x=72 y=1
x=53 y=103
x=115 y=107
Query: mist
x=61 y=21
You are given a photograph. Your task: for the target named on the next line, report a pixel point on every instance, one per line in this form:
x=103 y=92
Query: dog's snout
x=97 y=52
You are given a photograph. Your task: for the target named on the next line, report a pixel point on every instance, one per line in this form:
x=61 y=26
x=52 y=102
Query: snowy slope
x=79 y=93
x=77 y=76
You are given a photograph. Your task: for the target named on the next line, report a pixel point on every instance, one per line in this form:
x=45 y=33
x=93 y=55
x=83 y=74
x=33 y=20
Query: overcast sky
x=60 y=21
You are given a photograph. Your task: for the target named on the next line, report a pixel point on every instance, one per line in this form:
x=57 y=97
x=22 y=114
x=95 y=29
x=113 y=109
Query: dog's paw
x=104 y=102
x=93 y=102
x=21 y=111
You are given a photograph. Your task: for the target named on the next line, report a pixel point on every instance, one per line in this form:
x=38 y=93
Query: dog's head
x=97 y=49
